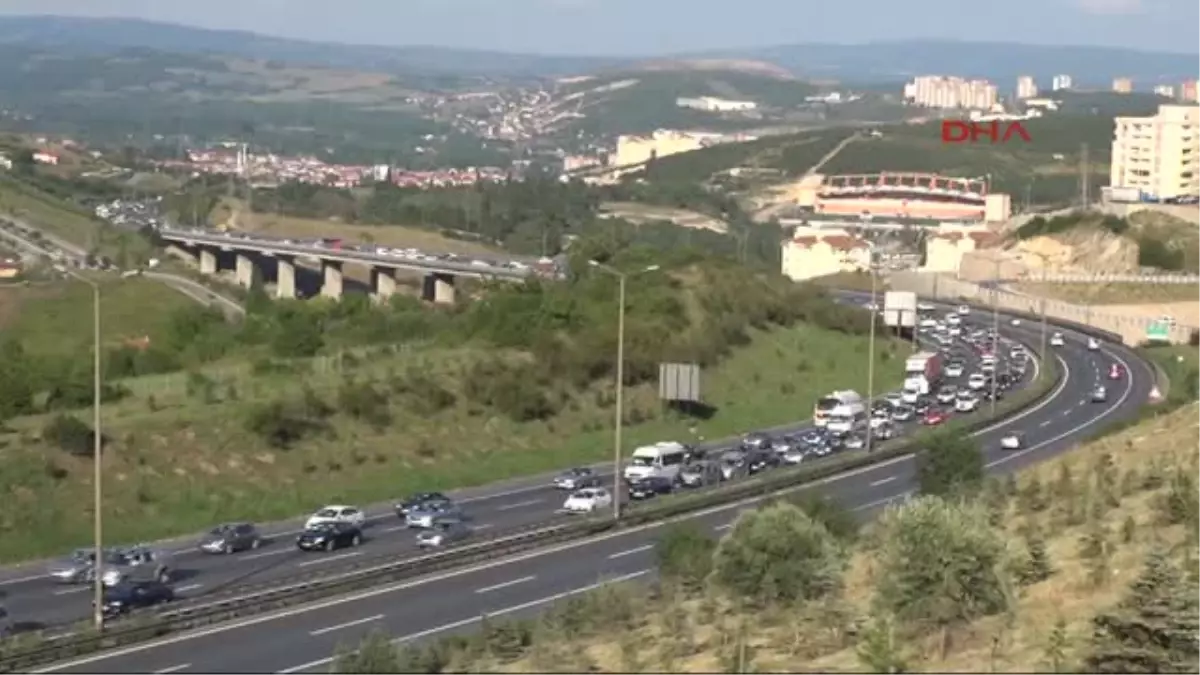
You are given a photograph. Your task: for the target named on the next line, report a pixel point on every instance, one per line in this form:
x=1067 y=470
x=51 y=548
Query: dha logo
x=958 y=131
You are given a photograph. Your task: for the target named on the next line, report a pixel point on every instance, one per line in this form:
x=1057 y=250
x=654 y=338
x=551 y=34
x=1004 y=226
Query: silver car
x=443 y=535
x=138 y=563
x=575 y=479
x=433 y=514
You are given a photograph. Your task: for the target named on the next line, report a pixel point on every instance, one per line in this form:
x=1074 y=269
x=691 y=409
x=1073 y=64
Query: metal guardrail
x=1063 y=278
x=208 y=611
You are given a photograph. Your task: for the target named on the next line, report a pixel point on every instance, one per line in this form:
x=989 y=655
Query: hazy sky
x=634 y=27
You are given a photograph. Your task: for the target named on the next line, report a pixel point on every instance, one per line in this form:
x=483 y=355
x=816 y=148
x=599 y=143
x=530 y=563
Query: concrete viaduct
x=202 y=249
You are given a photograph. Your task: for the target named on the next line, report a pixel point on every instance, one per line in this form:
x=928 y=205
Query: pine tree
x=1056 y=646
x=1037 y=566
x=1095 y=551
x=1031 y=499
x=878 y=649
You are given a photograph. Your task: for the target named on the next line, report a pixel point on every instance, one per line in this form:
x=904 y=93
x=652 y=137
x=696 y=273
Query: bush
x=284 y=422
x=517 y=391
x=949 y=463
x=364 y=402
x=684 y=555
x=71 y=435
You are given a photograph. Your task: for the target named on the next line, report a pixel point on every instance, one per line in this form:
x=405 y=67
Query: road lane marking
x=404 y=585
x=348 y=624
x=397 y=528
x=883 y=481
x=506 y=584
x=478 y=528
x=172 y=669
x=265 y=554
x=518 y=505
x=631 y=551
x=1045 y=424
x=189 y=587
x=722 y=528
x=326 y=559
x=73 y=589
x=475 y=619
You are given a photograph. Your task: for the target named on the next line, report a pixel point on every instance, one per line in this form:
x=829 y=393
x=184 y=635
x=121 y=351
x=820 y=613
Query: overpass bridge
x=440 y=271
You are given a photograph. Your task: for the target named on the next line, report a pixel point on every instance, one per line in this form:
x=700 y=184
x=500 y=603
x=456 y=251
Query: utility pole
x=1043 y=312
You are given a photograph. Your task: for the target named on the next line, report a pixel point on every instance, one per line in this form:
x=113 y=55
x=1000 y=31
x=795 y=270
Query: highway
x=303 y=639
x=33 y=599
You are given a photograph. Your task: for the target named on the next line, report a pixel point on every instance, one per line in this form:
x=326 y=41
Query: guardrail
x=1156 y=278
x=207 y=611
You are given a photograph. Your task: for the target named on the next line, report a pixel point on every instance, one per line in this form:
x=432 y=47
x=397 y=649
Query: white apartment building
x=713 y=104
x=939 y=91
x=1122 y=85
x=1159 y=155
x=1165 y=90
x=1061 y=82
x=1026 y=87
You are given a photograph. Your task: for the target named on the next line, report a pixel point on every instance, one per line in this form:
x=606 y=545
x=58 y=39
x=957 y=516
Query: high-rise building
x=1122 y=85
x=1158 y=155
x=938 y=91
x=1165 y=90
x=1026 y=87
x=1061 y=82
x=1187 y=91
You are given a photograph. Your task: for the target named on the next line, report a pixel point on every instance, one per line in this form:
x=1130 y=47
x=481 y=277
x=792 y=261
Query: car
x=1115 y=372
x=1056 y=340
x=587 y=500
x=756 y=441
x=934 y=418
x=649 y=487
x=892 y=398
x=79 y=567
x=947 y=393
x=418 y=499
x=953 y=320
x=699 y=474
x=137 y=563
x=1015 y=322
x=433 y=513
x=231 y=538
x=1099 y=395
x=329 y=536
x=928 y=323
x=997 y=393
x=977 y=381
x=966 y=404
x=794 y=456
x=733 y=464
x=443 y=535
x=885 y=432
x=573 y=479
x=337 y=514
x=922 y=406
x=954 y=369
x=925 y=307
x=1093 y=344
x=903 y=413
x=855 y=442
x=128 y=596
x=782 y=445
x=1013 y=440
x=761 y=461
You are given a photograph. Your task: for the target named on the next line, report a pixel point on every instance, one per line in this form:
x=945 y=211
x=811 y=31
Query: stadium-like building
x=925 y=196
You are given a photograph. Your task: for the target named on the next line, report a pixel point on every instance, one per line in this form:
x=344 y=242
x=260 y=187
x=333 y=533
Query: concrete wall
x=945 y=287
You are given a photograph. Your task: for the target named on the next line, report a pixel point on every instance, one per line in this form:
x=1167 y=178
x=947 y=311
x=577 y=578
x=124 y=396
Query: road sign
x=1158 y=331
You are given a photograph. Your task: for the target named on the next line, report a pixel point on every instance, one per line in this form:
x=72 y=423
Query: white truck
x=922 y=372
x=900 y=309
x=838 y=404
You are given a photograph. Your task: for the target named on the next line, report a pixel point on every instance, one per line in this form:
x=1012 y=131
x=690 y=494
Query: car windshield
x=642 y=461
x=83 y=555
x=322 y=527
x=827 y=404
x=327 y=513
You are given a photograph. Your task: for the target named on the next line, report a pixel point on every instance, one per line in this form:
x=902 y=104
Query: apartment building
x=1165 y=90
x=1061 y=82
x=1122 y=85
x=1026 y=87
x=939 y=91
x=1187 y=91
x=1158 y=155
x=716 y=105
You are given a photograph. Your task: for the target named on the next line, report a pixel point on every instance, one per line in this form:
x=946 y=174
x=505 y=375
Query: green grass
x=187 y=463
x=56 y=319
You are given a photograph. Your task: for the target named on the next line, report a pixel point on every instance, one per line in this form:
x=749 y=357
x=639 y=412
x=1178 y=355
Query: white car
x=953 y=320
x=977 y=381
x=910 y=396
x=587 y=501
x=954 y=331
x=929 y=323
x=924 y=307
x=337 y=514
x=946 y=394
x=1012 y=441
x=1093 y=344
x=964 y=310
x=1015 y=322
x=1056 y=340
x=966 y=404
x=954 y=370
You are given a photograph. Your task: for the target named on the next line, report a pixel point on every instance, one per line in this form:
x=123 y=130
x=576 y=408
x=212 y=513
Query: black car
x=761 y=461
x=130 y=595
x=419 y=499
x=231 y=538
x=329 y=536
x=650 y=486
x=756 y=441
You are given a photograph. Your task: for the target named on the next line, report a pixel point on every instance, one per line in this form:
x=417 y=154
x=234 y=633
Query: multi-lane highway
x=302 y=639
x=33 y=599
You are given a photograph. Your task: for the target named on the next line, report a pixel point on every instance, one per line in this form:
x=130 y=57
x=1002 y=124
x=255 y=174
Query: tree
x=879 y=650
x=685 y=555
x=779 y=553
x=949 y=464
x=940 y=564
x=1036 y=567
x=16 y=380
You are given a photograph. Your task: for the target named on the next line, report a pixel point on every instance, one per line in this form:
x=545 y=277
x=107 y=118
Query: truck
x=900 y=309
x=1123 y=195
x=838 y=404
x=922 y=372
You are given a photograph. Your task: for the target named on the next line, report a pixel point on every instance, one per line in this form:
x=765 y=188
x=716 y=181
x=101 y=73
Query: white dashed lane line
x=506 y=584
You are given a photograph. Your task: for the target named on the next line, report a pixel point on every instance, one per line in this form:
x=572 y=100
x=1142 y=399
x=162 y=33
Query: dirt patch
x=641 y=214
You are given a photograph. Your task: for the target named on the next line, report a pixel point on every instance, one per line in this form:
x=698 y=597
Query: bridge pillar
x=244 y=270
x=383 y=283
x=285 y=277
x=439 y=288
x=208 y=261
x=331 y=271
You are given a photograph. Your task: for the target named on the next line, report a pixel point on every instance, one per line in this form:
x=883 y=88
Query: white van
x=664 y=459
x=846 y=424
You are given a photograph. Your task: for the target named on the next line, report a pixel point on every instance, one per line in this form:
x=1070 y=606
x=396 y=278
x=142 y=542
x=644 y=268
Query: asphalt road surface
x=303 y=639
x=33 y=599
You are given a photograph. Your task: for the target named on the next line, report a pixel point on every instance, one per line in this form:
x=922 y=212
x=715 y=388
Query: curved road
x=303 y=639
x=34 y=599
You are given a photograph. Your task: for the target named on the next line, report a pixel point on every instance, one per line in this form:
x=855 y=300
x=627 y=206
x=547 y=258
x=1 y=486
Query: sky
x=654 y=27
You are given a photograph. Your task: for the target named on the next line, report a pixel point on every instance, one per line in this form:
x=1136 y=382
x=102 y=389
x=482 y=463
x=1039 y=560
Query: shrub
x=71 y=435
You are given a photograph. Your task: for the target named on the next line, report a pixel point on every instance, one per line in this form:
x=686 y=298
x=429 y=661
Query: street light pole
x=871 y=355
x=619 y=415
x=995 y=329
x=97 y=472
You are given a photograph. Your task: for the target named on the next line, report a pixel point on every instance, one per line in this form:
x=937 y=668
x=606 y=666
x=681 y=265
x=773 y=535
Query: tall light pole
x=995 y=329
x=871 y=353
x=619 y=416
x=97 y=473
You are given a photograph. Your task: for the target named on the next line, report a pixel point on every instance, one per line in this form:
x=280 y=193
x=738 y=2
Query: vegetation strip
x=22 y=656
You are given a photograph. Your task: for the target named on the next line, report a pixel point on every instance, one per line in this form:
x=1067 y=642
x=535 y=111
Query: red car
x=1116 y=372
x=934 y=418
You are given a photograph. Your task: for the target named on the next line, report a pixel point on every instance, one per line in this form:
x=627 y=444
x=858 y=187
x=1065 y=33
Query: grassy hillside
x=772 y=157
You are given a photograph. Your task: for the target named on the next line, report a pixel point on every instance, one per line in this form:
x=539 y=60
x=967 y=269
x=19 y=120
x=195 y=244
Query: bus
x=839 y=403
